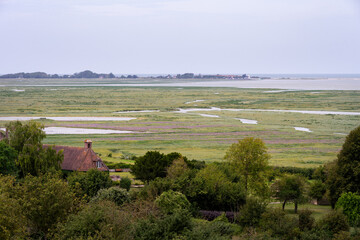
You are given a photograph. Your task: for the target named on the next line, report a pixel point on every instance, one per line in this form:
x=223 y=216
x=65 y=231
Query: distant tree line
x=84 y=74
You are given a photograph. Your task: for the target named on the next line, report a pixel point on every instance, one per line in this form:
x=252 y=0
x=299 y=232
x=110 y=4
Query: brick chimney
x=88 y=144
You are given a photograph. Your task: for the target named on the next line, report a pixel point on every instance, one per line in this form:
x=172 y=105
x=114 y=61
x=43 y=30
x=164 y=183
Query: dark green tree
x=8 y=157
x=125 y=183
x=347 y=168
x=152 y=165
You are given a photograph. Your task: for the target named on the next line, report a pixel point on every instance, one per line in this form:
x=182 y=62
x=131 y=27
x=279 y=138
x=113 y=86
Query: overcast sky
x=177 y=36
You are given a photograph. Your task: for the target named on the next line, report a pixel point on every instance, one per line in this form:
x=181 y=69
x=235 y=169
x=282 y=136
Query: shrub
x=114 y=194
x=90 y=182
x=203 y=230
x=250 y=213
x=45 y=201
x=155 y=188
x=125 y=183
x=222 y=218
x=315 y=234
x=350 y=204
x=167 y=227
x=212 y=215
x=170 y=202
x=334 y=222
x=278 y=224
x=306 y=221
x=98 y=220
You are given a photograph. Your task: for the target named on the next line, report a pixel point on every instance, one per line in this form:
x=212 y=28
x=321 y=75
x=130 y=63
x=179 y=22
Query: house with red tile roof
x=80 y=158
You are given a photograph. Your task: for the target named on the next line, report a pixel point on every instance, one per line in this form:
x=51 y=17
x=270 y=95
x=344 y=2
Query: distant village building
x=80 y=159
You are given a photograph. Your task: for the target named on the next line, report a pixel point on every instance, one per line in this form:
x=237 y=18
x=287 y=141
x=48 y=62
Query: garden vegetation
x=233 y=199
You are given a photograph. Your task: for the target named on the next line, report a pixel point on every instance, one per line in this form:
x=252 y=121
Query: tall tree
x=348 y=163
x=343 y=175
x=33 y=159
x=249 y=158
x=290 y=188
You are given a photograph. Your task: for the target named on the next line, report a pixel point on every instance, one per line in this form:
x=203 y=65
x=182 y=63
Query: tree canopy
x=343 y=175
x=290 y=188
x=7 y=159
x=33 y=158
x=153 y=164
x=249 y=158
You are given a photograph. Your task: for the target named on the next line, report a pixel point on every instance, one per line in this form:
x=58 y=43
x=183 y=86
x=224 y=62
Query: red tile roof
x=79 y=158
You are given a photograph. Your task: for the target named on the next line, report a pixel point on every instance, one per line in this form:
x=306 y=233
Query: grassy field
x=318 y=211
x=195 y=136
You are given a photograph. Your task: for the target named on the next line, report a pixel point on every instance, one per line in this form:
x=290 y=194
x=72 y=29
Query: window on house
x=98 y=164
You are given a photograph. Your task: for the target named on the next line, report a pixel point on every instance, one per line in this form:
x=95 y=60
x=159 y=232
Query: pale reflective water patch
x=209 y=115
x=181 y=110
x=195 y=101
x=278 y=91
x=17 y=90
x=344 y=134
x=268 y=110
x=71 y=119
x=247 y=121
x=65 y=130
x=139 y=111
x=302 y=129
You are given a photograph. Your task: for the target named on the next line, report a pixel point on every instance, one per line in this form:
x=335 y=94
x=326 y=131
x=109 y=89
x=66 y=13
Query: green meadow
x=197 y=137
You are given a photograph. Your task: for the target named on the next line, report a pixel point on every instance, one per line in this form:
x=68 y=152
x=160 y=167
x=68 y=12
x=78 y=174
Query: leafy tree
x=317 y=190
x=170 y=202
x=279 y=224
x=97 y=220
x=152 y=165
x=250 y=213
x=45 y=201
x=249 y=158
x=36 y=161
x=12 y=221
x=165 y=227
x=177 y=168
x=350 y=205
x=32 y=157
x=212 y=190
x=22 y=134
x=114 y=194
x=125 y=183
x=90 y=182
x=290 y=188
x=345 y=176
x=8 y=157
x=306 y=221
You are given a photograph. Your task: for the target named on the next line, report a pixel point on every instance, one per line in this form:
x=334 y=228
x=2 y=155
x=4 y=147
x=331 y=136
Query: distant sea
x=280 y=75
